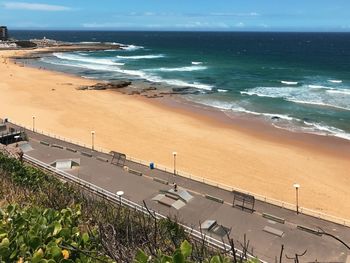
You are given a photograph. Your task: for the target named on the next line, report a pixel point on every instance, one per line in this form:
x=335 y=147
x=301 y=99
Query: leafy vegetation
x=181 y=255
x=46 y=235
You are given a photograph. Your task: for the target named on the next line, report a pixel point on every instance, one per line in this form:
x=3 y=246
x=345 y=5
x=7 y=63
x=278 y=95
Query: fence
x=123 y=201
x=259 y=197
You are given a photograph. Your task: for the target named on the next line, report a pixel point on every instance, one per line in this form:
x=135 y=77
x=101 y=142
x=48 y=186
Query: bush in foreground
x=45 y=235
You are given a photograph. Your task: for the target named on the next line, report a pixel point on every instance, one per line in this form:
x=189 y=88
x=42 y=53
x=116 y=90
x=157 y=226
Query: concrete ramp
x=169 y=201
x=213 y=227
x=66 y=164
x=178 y=204
x=182 y=194
x=208 y=224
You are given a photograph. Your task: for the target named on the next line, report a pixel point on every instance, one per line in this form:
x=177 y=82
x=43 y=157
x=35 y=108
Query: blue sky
x=193 y=15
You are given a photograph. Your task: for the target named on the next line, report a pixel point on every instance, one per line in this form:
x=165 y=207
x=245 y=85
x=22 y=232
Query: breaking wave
x=180 y=69
x=132 y=73
x=141 y=57
x=289 y=82
x=84 y=58
x=335 y=81
x=130 y=47
x=305 y=95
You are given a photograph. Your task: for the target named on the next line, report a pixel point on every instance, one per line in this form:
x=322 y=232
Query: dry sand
x=244 y=156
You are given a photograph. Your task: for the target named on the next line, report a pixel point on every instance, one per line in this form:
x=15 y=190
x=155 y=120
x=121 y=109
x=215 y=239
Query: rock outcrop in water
x=148 y=90
x=110 y=85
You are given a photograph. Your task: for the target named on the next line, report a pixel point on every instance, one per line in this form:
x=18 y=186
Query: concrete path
x=265 y=236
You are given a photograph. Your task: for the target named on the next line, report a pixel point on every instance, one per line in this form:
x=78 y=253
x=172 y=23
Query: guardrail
x=123 y=201
x=259 y=197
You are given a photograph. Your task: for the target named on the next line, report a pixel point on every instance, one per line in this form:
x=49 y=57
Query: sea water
x=297 y=81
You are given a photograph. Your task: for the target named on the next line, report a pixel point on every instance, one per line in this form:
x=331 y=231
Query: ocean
x=296 y=81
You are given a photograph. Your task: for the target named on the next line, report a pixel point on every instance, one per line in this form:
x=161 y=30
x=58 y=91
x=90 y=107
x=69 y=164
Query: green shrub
x=35 y=234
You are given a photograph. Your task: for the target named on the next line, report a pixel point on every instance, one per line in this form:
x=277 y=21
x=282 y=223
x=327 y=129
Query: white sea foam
x=304 y=95
x=141 y=57
x=322 y=129
x=295 y=125
x=340 y=91
x=251 y=93
x=114 y=44
x=196 y=63
x=264 y=114
x=229 y=106
x=130 y=47
x=319 y=104
x=319 y=87
x=82 y=54
x=90 y=42
x=289 y=82
x=281 y=121
x=135 y=73
x=222 y=90
x=335 y=81
x=180 y=69
x=79 y=58
x=181 y=83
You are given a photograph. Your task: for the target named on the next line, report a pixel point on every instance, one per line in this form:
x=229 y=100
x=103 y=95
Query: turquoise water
x=297 y=81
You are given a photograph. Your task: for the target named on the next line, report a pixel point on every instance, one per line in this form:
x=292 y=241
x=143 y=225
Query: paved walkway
x=143 y=188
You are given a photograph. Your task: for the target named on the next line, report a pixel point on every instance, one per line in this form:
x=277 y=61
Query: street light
x=33 y=123
x=297 y=186
x=119 y=194
x=93 y=140
x=174 y=154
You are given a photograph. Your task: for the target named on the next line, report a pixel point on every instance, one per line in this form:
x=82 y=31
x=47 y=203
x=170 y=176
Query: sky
x=178 y=15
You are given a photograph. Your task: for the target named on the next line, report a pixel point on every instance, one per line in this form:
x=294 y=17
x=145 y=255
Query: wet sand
x=236 y=151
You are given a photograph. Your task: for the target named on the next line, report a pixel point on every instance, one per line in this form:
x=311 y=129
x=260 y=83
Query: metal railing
x=279 y=203
x=126 y=202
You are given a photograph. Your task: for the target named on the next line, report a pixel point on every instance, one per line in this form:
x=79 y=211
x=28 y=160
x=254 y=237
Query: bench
x=135 y=172
x=44 y=143
x=102 y=159
x=309 y=230
x=158 y=180
x=57 y=146
x=71 y=149
x=215 y=199
x=86 y=154
x=273 y=231
x=274 y=218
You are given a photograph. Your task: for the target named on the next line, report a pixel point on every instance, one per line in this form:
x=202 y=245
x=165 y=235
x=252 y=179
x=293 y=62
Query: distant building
x=3 y=33
x=45 y=42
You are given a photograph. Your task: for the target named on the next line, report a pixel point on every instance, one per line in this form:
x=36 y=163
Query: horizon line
x=179 y=30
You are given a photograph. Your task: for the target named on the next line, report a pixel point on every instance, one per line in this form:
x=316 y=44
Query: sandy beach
x=232 y=151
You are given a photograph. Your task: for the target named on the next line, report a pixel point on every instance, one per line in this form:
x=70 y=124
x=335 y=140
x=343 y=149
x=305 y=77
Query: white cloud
x=236 y=14
x=203 y=25
x=240 y=24
x=106 y=25
x=34 y=6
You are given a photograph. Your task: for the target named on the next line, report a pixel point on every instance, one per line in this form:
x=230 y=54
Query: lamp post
x=119 y=194
x=297 y=186
x=92 y=140
x=174 y=155
x=33 y=123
